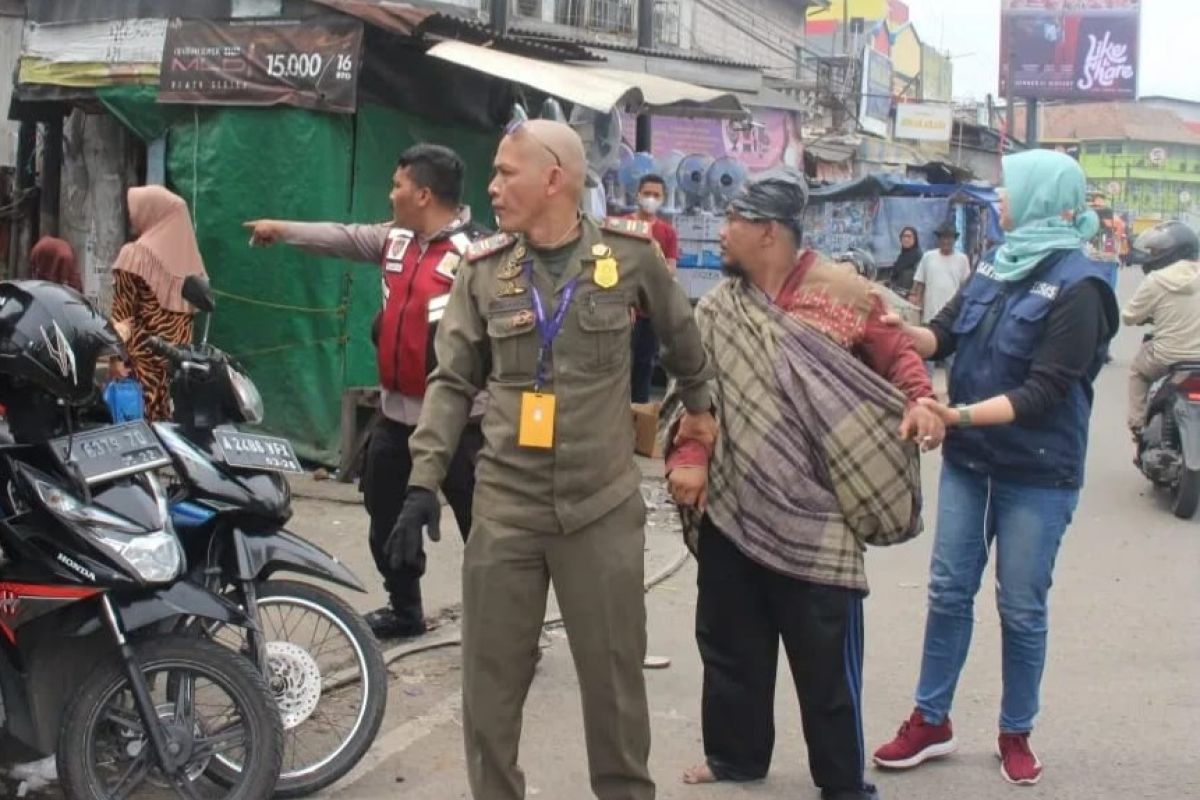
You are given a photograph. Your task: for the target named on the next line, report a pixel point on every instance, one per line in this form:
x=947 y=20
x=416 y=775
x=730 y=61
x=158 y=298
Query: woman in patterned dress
x=148 y=280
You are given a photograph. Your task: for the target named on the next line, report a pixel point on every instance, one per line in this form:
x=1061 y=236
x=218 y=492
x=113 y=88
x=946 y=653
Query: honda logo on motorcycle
x=10 y=603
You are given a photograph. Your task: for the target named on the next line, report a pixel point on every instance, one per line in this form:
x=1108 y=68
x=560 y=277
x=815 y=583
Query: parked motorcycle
x=1169 y=444
x=89 y=567
x=230 y=504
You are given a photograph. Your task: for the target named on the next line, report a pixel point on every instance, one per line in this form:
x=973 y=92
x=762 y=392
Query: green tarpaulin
x=299 y=324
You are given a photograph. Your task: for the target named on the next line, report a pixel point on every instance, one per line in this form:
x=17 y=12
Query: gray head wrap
x=778 y=195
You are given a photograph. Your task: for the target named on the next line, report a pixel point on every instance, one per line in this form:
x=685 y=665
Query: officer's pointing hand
x=421 y=510
x=264 y=232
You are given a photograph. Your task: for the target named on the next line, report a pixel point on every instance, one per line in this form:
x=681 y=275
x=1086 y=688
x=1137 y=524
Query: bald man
x=540 y=316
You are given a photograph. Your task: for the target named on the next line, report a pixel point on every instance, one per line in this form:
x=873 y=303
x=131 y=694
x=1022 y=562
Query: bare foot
x=701 y=773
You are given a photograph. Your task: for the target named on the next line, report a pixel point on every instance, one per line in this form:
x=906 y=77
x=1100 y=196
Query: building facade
x=1144 y=157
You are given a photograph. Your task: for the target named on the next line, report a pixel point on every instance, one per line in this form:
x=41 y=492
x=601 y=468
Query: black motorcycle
x=1169 y=445
x=229 y=504
x=89 y=570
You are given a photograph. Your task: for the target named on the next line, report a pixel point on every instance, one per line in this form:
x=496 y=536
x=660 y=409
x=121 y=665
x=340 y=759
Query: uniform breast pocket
x=513 y=335
x=605 y=322
x=1023 y=326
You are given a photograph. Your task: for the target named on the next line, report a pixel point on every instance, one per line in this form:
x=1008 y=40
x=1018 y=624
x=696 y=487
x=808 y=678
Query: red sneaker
x=1018 y=763
x=917 y=742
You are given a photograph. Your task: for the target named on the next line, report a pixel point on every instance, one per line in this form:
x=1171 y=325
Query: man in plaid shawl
x=816 y=398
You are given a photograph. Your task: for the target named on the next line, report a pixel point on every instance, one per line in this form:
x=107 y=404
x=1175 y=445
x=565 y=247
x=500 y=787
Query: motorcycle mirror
x=197 y=292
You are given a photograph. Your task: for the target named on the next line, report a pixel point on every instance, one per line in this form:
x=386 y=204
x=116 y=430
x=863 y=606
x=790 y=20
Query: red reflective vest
x=416 y=288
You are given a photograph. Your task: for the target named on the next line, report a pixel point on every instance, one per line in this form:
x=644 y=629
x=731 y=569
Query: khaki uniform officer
x=540 y=315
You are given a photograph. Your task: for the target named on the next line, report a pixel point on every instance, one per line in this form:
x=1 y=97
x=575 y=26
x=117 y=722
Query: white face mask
x=650 y=205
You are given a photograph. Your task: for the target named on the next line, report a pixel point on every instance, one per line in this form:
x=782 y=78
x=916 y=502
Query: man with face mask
x=652 y=193
x=419 y=252
x=541 y=319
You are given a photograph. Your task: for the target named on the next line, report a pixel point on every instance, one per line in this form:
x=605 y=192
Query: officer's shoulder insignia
x=489 y=246
x=633 y=228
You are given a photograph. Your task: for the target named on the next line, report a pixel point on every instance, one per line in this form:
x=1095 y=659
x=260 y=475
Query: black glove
x=421 y=510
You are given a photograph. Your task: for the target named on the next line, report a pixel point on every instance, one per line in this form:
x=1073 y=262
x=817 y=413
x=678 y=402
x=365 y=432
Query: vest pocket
x=1021 y=331
x=605 y=320
x=514 y=346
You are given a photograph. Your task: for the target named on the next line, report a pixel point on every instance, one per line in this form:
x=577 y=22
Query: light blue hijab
x=1041 y=185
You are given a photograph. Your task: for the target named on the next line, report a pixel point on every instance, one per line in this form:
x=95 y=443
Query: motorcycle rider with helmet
x=1169 y=299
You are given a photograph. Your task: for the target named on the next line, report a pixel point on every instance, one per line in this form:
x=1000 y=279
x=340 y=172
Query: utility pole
x=500 y=16
x=645 y=41
x=1031 y=122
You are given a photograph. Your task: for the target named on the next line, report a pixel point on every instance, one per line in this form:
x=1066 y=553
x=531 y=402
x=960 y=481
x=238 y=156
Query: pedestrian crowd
x=797 y=408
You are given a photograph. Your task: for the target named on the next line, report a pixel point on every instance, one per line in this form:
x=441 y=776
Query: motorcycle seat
x=1186 y=366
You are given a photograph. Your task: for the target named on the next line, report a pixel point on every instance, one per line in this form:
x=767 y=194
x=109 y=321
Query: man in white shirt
x=939 y=276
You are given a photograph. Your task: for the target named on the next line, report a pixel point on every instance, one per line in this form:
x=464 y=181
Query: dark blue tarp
x=885 y=185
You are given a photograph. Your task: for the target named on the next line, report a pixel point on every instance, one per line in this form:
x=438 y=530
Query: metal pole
x=645 y=41
x=645 y=24
x=24 y=221
x=1031 y=122
x=52 y=155
x=500 y=16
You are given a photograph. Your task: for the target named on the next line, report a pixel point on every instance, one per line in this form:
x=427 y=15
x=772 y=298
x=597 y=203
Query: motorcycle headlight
x=154 y=557
x=72 y=509
x=249 y=401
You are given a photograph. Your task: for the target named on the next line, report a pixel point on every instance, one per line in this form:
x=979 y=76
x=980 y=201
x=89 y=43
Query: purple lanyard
x=547 y=328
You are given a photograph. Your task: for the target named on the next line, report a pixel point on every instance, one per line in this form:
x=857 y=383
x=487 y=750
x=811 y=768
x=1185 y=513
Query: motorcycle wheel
x=1187 y=494
x=327 y=674
x=210 y=702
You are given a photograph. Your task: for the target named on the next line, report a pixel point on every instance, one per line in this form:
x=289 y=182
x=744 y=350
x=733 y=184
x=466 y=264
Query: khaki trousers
x=598 y=575
x=1143 y=372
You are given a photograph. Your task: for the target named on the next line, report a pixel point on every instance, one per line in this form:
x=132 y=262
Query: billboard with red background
x=1070 y=49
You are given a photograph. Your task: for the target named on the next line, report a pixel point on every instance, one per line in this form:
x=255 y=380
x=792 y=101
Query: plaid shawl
x=809 y=468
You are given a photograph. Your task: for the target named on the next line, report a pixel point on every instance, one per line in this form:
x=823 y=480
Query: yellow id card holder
x=537 y=421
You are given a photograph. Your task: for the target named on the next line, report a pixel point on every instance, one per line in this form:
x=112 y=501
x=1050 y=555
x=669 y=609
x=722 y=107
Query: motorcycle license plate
x=253 y=451
x=112 y=452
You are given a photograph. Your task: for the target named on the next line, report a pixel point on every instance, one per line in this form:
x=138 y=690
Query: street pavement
x=1121 y=696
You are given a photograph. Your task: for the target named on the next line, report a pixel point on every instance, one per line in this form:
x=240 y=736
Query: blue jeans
x=1027 y=524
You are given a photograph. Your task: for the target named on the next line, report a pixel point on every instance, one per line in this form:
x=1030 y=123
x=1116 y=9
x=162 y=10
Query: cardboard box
x=645 y=430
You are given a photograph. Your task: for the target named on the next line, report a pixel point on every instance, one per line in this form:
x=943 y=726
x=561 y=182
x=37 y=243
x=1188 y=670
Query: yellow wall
x=906 y=52
x=867 y=9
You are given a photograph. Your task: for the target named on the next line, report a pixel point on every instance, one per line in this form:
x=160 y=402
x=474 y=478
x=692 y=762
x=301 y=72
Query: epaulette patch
x=489 y=246
x=633 y=228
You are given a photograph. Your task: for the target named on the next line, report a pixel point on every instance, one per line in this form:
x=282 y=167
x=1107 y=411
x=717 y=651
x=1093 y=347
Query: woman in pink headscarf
x=148 y=287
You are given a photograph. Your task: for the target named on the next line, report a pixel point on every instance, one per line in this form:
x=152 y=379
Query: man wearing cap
x=540 y=317
x=939 y=276
x=818 y=402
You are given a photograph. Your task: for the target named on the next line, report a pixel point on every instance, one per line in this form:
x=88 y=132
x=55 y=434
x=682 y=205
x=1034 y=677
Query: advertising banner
x=1070 y=49
x=311 y=63
x=924 y=122
x=876 y=103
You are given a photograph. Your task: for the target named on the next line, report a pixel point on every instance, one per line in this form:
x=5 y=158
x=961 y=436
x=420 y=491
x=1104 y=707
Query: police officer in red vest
x=419 y=253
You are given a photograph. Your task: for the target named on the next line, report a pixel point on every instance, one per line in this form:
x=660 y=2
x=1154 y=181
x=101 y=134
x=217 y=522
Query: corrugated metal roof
x=406 y=20
x=1114 y=120
x=594 y=46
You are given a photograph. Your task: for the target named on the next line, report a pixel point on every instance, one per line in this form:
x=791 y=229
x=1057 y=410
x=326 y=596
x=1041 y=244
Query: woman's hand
x=949 y=416
x=924 y=425
x=688 y=486
x=124 y=329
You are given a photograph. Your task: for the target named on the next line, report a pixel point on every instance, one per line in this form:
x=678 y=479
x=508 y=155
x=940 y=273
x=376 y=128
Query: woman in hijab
x=906 y=263
x=53 y=260
x=1030 y=328
x=148 y=284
